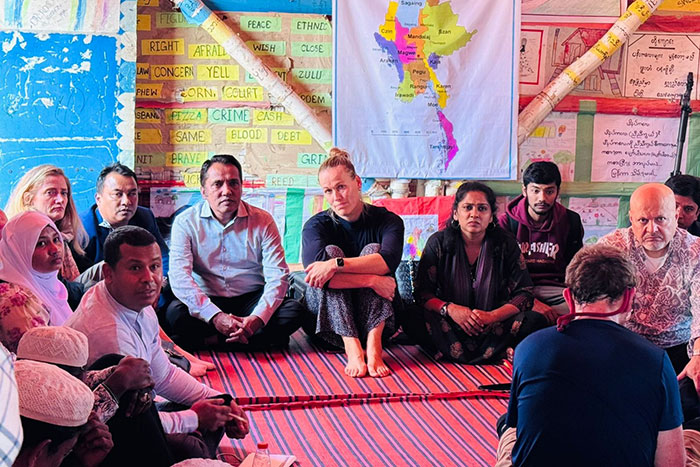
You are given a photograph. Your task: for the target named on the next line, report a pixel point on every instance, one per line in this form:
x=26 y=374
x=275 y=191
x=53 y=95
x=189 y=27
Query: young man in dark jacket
x=548 y=233
x=686 y=188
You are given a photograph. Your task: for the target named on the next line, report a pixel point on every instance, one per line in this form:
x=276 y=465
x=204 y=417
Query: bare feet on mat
x=376 y=367
x=198 y=367
x=356 y=367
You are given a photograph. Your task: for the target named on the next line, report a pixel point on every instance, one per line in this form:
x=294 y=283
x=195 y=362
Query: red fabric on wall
x=440 y=205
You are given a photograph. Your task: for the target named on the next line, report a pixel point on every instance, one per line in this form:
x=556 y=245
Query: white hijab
x=19 y=238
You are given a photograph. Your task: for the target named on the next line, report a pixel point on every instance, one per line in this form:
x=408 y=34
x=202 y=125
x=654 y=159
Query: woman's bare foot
x=356 y=367
x=375 y=365
x=377 y=368
x=197 y=367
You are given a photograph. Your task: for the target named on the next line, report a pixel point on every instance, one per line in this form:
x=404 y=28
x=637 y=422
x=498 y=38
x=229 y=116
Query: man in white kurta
x=117 y=318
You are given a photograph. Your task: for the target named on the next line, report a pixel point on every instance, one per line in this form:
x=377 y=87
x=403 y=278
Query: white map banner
x=427 y=88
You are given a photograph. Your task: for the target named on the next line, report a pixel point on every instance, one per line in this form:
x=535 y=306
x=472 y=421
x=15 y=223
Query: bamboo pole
x=536 y=111
x=198 y=13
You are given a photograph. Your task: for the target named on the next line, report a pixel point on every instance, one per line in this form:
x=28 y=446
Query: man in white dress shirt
x=117 y=318
x=228 y=271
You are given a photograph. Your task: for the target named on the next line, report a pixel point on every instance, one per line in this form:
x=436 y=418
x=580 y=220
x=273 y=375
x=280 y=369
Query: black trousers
x=678 y=354
x=690 y=403
x=190 y=333
x=139 y=440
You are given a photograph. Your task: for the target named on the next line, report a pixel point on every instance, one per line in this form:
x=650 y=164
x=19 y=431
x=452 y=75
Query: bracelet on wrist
x=109 y=390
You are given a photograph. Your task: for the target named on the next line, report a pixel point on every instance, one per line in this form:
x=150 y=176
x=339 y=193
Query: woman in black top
x=350 y=253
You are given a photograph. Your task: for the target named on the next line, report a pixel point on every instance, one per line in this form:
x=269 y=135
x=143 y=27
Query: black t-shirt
x=594 y=394
x=375 y=225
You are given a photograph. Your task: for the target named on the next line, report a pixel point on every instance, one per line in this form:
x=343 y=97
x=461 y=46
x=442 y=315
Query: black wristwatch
x=340 y=262
x=443 y=309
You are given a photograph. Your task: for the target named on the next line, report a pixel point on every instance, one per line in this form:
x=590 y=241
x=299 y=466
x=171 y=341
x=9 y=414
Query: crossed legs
x=348 y=315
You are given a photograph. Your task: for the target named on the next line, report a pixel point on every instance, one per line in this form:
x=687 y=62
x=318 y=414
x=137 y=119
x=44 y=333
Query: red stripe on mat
x=337 y=400
x=440 y=434
x=304 y=370
x=425 y=413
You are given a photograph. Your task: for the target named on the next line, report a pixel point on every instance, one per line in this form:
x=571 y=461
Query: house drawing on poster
x=604 y=80
x=553 y=140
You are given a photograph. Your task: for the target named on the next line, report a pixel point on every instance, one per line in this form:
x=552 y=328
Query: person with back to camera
x=591 y=392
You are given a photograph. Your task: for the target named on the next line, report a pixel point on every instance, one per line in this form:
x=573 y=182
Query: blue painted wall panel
x=61 y=85
x=58 y=106
x=322 y=7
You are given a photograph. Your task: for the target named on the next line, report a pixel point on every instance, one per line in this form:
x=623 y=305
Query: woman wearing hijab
x=31 y=254
x=46 y=189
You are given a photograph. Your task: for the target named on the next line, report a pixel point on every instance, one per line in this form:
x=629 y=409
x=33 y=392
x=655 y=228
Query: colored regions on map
x=415 y=36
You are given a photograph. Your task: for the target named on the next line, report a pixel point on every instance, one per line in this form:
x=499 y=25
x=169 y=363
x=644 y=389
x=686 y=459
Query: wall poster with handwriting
x=628 y=148
x=599 y=216
x=272 y=201
x=658 y=65
x=165 y=202
x=567 y=43
x=61 y=16
x=193 y=100
x=596 y=211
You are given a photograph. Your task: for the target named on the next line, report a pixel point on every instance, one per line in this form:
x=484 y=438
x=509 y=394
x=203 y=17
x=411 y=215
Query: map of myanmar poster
x=427 y=88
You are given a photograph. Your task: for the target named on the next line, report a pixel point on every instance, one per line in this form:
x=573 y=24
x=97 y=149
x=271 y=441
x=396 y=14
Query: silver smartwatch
x=443 y=309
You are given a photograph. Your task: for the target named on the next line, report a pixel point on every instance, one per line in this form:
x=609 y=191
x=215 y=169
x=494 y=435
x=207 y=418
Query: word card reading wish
x=633 y=149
